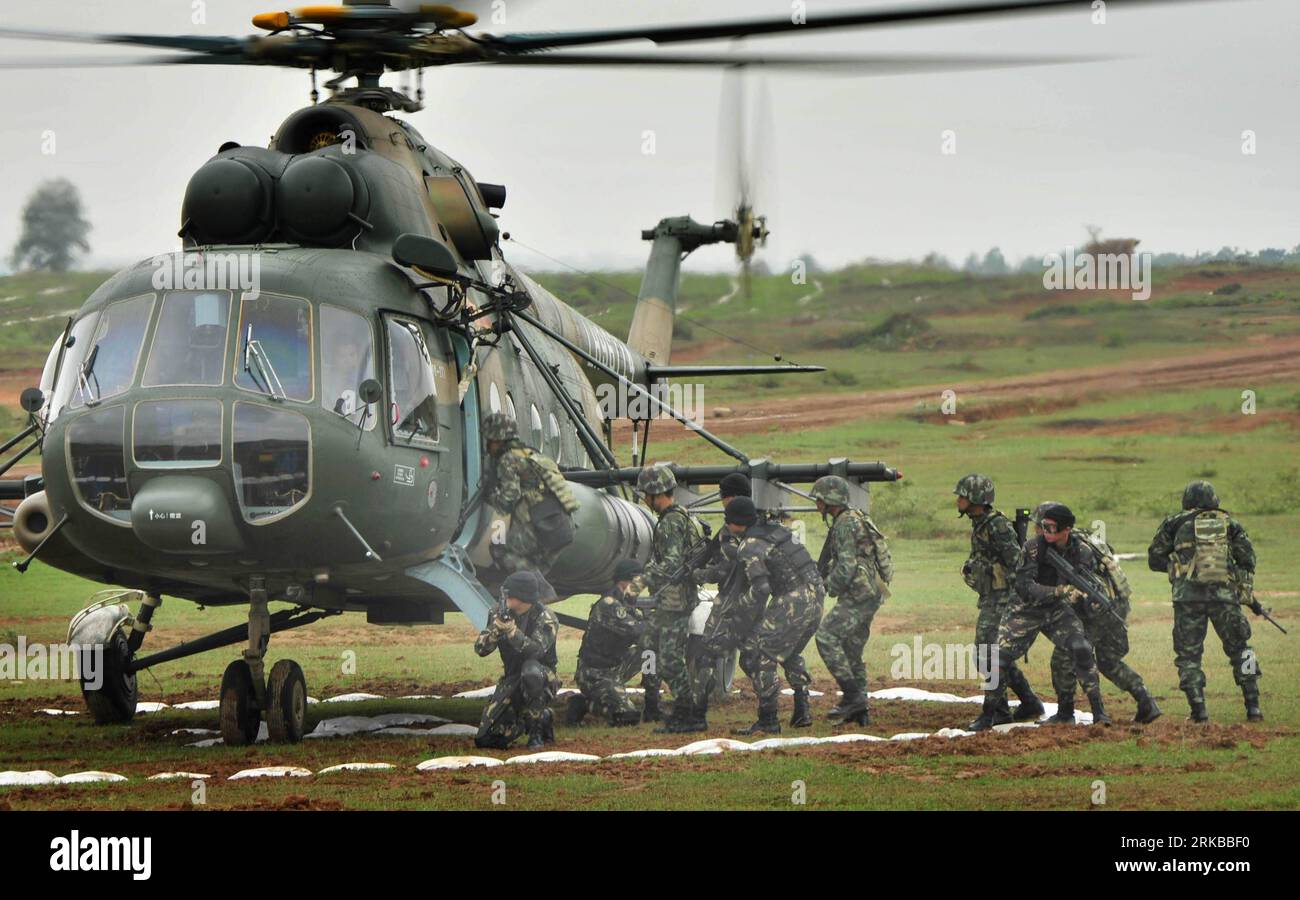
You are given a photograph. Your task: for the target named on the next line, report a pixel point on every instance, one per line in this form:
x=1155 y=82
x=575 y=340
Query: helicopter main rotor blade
x=867 y=65
x=193 y=43
x=112 y=62
x=711 y=31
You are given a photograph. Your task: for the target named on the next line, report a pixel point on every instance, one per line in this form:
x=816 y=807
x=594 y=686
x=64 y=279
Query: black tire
x=240 y=717
x=724 y=669
x=115 y=699
x=286 y=702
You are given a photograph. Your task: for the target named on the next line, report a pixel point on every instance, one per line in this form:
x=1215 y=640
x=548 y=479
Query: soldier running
x=1211 y=566
x=775 y=630
x=994 y=558
x=857 y=568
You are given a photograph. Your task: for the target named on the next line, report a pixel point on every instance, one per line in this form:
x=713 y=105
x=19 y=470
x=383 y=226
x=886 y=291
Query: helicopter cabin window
x=172 y=434
x=274 y=347
x=347 y=355
x=413 y=393
x=510 y=407
x=535 y=421
x=108 y=365
x=553 y=447
x=189 y=344
x=96 y=460
x=272 y=455
x=494 y=398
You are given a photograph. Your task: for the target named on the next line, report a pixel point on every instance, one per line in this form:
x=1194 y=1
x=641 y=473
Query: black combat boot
x=1030 y=708
x=677 y=719
x=1147 y=710
x=699 y=720
x=990 y=715
x=536 y=733
x=802 y=715
x=1251 y=693
x=1099 y=716
x=625 y=717
x=851 y=707
x=576 y=710
x=857 y=718
x=651 y=711
x=1064 y=714
x=1198 y=711
x=767 y=723
x=849 y=694
x=548 y=726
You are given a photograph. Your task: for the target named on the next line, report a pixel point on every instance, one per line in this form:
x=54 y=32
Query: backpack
x=1210 y=559
x=552 y=516
x=1121 y=590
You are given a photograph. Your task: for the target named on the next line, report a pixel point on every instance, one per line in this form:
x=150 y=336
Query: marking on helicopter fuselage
x=404 y=475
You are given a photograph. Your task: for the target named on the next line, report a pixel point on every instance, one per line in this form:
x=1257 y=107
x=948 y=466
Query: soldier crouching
x=609 y=654
x=525 y=637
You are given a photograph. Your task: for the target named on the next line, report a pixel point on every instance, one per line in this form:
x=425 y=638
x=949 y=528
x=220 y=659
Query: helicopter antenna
x=315 y=93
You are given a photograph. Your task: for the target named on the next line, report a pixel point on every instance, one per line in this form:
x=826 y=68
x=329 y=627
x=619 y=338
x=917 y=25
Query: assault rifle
x=1258 y=609
x=1084 y=582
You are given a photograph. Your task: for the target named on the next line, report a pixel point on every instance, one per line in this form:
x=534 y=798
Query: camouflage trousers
x=842 y=639
x=604 y=688
x=1061 y=625
x=1110 y=643
x=992 y=610
x=521 y=551
x=1191 y=619
x=669 y=636
x=517 y=701
x=788 y=624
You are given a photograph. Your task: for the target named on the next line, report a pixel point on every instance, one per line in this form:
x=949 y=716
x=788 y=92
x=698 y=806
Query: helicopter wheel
x=114 y=700
x=286 y=702
x=240 y=717
x=724 y=667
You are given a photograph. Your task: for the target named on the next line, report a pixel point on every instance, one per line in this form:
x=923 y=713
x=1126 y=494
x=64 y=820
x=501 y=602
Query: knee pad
x=532 y=678
x=1081 y=653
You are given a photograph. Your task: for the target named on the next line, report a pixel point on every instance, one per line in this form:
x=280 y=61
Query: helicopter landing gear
x=107 y=638
x=246 y=692
x=114 y=700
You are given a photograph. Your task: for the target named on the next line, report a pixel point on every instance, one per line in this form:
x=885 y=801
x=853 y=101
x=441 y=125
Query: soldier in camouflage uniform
x=1043 y=603
x=677 y=534
x=857 y=568
x=1211 y=566
x=1109 y=638
x=775 y=630
x=529 y=487
x=525 y=638
x=609 y=650
x=994 y=557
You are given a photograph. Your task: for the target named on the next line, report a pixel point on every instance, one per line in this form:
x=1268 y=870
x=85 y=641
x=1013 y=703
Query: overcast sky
x=1148 y=147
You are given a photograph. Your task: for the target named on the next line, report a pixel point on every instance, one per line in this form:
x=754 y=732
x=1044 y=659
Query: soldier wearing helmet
x=529 y=487
x=1210 y=562
x=676 y=535
x=609 y=654
x=994 y=557
x=857 y=568
x=1109 y=638
x=524 y=634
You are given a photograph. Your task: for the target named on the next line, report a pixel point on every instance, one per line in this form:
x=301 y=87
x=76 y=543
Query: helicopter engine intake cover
x=228 y=201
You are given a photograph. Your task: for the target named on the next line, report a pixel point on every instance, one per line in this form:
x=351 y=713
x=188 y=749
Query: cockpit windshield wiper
x=86 y=374
x=269 y=382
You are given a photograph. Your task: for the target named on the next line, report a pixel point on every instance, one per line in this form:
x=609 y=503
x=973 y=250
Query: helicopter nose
x=185 y=514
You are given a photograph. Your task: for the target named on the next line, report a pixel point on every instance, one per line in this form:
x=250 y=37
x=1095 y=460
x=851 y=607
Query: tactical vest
x=680 y=596
x=1109 y=568
x=1202 y=551
x=512 y=659
x=789 y=565
x=603 y=648
x=551 y=504
x=988 y=573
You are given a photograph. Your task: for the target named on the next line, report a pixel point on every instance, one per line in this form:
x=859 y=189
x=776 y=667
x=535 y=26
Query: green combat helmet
x=1200 y=495
x=656 y=480
x=831 y=490
x=499 y=427
x=978 y=489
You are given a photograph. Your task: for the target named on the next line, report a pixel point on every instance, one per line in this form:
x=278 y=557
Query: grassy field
x=1118 y=454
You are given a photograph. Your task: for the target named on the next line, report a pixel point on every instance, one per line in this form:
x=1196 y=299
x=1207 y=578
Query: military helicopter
x=310 y=436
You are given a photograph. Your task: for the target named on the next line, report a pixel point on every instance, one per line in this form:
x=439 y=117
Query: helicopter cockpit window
x=177 y=434
x=413 y=393
x=272 y=455
x=95 y=457
x=73 y=358
x=108 y=360
x=189 y=344
x=347 y=355
x=274 y=347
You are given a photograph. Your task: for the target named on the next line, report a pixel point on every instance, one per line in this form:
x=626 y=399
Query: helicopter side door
x=425 y=487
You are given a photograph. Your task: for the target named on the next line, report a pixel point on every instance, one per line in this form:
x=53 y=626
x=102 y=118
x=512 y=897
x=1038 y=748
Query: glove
x=1067 y=592
x=505 y=627
x=1256 y=607
x=637 y=586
